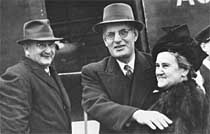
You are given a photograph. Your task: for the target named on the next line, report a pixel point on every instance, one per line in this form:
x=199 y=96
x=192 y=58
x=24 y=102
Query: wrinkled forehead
x=115 y=27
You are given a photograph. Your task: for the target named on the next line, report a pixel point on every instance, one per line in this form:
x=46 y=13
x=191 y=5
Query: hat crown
x=37 y=29
x=176 y=34
x=178 y=40
x=118 y=11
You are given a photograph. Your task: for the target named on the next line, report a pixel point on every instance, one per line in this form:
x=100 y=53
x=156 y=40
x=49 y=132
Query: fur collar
x=184 y=101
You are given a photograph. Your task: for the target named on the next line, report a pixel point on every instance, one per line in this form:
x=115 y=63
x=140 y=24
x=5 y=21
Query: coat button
x=64 y=107
x=128 y=124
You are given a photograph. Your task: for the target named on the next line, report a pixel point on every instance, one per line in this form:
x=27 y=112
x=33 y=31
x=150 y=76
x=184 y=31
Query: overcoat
x=33 y=102
x=109 y=98
x=205 y=72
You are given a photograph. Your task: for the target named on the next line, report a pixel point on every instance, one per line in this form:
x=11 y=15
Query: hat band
x=111 y=18
x=38 y=35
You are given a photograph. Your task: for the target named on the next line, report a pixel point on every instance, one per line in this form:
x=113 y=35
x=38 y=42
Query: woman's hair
x=184 y=64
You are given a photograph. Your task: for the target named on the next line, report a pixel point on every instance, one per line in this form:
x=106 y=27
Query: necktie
x=128 y=71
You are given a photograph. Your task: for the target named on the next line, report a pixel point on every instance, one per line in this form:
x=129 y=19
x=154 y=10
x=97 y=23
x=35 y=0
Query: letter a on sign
x=179 y=2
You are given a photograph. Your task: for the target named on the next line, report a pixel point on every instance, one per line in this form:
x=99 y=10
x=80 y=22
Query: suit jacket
x=205 y=72
x=32 y=101
x=108 y=98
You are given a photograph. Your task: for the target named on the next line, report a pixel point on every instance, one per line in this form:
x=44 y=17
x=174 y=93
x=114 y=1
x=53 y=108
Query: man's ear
x=136 y=33
x=26 y=49
x=105 y=41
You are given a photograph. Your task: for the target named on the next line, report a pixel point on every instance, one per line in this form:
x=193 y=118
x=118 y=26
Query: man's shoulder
x=16 y=70
x=144 y=54
x=144 y=57
x=99 y=65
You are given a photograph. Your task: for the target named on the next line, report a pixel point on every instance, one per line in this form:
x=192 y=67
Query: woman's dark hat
x=115 y=13
x=203 y=35
x=178 y=39
x=38 y=30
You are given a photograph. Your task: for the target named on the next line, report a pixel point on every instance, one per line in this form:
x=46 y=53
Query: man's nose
x=117 y=37
x=48 y=49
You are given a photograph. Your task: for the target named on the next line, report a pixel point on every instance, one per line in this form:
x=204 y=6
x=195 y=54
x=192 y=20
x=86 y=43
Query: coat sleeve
x=97 y=103
x=15 y=99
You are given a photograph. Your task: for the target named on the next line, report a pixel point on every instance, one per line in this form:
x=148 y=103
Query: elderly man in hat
x=118 y=89
x=33 y=99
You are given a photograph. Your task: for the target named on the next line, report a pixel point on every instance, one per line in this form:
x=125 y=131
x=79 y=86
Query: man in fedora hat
x=33 y=99
x=118 y=90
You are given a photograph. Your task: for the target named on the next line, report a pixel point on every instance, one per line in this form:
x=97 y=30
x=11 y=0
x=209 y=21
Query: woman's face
x=167 y=71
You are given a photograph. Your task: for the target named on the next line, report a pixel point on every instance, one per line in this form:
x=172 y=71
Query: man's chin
x=121 y=56
x=45 y=63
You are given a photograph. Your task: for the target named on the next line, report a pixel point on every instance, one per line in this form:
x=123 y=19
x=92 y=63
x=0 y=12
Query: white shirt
x=199 y=79
x=130 y=63
x=206 y=62
x=47 y=70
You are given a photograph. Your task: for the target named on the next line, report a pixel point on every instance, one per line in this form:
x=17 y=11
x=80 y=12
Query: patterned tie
x=128 y=71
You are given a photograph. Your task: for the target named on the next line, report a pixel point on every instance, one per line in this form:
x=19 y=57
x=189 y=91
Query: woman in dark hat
x=181 y=99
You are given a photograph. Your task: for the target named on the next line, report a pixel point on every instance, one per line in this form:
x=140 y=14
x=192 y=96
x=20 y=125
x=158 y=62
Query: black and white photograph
x=104 y=66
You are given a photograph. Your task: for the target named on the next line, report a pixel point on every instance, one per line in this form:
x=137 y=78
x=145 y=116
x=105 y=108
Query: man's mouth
x=46 y=55
x=119 y=46
x=158 y=77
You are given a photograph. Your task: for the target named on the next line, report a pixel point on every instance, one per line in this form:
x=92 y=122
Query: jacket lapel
x=142 y=75
x=113 y=78
x=38 y=70
x=114 y=81
x=44 y=77
x=60 y=86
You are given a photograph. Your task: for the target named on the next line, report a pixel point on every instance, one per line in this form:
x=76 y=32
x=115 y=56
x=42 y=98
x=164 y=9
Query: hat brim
x=99 y=26
x=39 y=39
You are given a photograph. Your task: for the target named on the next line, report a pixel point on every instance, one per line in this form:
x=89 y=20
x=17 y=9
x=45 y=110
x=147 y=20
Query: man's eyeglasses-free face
x=45 y=44
x=123 y=33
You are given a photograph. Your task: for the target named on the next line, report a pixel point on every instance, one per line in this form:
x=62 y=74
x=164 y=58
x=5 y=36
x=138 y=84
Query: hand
x=153 y=119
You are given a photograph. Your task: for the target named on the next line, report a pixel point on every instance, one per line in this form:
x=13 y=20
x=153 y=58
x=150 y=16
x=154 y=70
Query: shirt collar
x=130 y=63
x=47 y=70
x=206 y=62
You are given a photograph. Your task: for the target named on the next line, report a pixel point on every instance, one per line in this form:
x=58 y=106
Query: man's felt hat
x=115 y=13
x=178 y=39
x=38 y=30
x=203 y=35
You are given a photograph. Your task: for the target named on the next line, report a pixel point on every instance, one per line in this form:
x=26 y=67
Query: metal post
x=86 y=122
